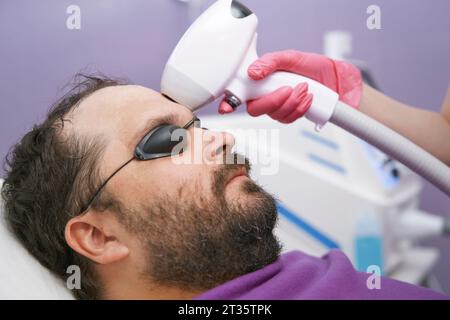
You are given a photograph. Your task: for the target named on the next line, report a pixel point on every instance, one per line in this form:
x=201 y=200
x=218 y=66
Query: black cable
x=104 y=184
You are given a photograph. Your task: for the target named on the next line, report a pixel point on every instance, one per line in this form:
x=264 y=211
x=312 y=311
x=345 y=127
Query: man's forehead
x=122 y=98
x=120 y=108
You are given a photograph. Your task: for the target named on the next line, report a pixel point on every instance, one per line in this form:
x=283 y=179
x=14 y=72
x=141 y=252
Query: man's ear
x=92 y=235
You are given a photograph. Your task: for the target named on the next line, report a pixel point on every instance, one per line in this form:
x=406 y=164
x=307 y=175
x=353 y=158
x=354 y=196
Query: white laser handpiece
x=212 y=58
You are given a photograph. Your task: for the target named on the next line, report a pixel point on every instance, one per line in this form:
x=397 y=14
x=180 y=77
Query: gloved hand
x=288 y=104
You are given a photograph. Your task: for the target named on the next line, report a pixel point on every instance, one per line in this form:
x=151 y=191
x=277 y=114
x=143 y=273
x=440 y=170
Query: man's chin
x=250 y=187
x=245 y=193
x=242 y=189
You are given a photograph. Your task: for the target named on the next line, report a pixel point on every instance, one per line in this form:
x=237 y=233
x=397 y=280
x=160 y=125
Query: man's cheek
x=203 y=182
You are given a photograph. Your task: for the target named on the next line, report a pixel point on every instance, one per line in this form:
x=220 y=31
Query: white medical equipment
x=324 y=183
x=212 y=59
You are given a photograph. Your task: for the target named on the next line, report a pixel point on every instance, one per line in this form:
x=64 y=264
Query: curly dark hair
x=49 y=176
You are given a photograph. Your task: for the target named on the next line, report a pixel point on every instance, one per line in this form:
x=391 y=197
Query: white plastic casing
x=208 y=56
x=212 y=59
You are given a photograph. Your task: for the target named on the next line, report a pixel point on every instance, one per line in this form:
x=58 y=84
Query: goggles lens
x=160 y=141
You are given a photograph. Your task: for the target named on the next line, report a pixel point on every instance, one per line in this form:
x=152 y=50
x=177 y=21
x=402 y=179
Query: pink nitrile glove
x=288 y=104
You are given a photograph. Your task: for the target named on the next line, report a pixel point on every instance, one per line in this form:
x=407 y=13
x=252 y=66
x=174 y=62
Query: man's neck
x=150 y=293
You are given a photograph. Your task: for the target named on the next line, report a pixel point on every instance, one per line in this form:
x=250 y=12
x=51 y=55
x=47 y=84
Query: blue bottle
x=368 y=243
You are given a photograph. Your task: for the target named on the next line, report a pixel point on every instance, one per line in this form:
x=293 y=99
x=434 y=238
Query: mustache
x=232 y=162
x=235 y=161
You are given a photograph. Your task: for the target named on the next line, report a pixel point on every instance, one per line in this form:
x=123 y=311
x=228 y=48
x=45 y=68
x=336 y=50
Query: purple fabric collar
x=296 y=275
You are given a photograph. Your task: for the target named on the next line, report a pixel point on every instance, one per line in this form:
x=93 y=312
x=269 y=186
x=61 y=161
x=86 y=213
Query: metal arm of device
x=393 y=144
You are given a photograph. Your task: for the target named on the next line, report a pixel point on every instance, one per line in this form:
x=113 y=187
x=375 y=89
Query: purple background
x=409 y=57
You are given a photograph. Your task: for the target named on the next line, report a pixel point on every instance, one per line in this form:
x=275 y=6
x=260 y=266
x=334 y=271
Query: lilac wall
x=410 y=56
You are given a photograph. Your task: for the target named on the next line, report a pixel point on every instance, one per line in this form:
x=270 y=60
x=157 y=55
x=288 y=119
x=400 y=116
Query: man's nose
x=217 y=142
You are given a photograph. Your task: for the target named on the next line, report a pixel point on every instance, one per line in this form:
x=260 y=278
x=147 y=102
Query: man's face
x=187 y=223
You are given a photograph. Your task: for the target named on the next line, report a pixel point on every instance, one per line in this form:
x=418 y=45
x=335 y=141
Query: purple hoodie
x=296 y=275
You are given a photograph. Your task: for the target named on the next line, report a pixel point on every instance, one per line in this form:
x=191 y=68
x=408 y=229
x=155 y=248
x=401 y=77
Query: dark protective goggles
x=157 y=143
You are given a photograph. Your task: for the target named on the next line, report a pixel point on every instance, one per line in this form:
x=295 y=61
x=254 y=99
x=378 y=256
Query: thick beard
x=196 y=244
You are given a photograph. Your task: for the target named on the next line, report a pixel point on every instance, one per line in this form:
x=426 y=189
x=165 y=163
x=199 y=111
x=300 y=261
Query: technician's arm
x=429 y=130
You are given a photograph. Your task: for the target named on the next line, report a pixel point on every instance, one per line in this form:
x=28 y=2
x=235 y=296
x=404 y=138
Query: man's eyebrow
x=168 y=118
x=151 y=123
